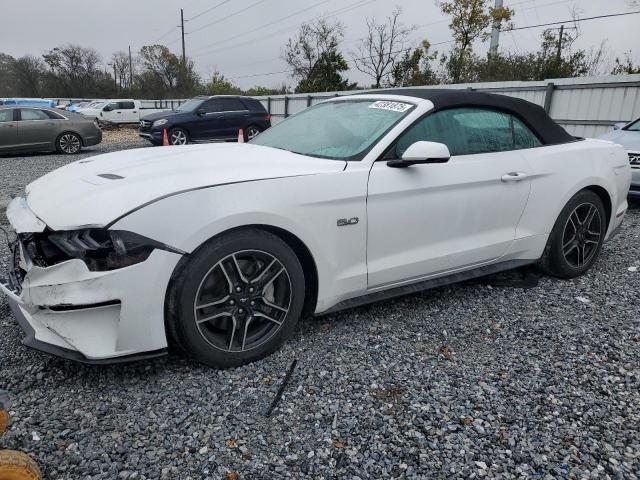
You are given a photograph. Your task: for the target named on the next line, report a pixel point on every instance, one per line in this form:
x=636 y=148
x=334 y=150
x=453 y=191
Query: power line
x=573 y=20
x=228 y=16
x=348 y=61
x=353 y=6
x=265 y=25
x=207 y=10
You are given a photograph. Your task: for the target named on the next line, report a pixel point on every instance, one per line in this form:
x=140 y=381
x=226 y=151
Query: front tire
x=69 y=143
x=577 y=237
x=236 y=299
x=178 y=136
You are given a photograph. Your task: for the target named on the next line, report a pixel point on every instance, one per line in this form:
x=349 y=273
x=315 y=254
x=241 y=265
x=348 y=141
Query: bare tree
x=120 y=62
x=29 y=72
x=76 y=68
x=382 y=48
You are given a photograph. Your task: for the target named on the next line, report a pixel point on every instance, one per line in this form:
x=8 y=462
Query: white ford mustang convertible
x=220 y=249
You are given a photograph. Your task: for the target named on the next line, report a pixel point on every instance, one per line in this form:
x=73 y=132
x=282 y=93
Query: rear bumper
x=94 y=139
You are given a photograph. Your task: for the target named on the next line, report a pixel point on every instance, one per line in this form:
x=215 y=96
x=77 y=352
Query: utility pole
x=184 y=56
x=130 y=69
x=495 y=33
x=559 y=55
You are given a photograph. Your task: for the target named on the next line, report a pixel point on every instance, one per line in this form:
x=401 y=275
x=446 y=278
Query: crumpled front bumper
x=92 y=317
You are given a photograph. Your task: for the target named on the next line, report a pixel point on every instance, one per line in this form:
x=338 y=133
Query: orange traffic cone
x=241 y=136
x=165 y=139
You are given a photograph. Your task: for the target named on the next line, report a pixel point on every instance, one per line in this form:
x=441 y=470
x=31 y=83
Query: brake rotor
x=18 y=466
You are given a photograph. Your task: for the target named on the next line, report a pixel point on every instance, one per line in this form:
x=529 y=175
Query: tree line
x=318 y=61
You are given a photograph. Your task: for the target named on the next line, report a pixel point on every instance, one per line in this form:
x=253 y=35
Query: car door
x=430 y=219
x=208 y=125
x=8 y=129
x=129 y=112
x=35 y=128
x=235 y=115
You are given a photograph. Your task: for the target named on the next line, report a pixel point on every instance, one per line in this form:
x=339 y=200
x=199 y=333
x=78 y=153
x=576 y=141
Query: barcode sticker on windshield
x=393 y=106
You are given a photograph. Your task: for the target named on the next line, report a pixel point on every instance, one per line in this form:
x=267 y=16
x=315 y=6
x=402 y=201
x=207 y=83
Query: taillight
x=268 y=118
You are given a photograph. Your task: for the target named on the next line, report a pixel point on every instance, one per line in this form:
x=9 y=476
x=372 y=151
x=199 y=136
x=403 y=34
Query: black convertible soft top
x=531 y=114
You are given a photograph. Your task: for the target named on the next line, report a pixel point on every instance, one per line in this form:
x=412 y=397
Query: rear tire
x=69 y=143
x=236 y=299
x=577 y=237
x=251 y=132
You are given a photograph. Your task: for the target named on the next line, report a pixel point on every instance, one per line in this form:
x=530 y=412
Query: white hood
x=96 y=191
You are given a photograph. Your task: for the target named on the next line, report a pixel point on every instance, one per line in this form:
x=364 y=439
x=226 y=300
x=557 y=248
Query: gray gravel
x=459 y=382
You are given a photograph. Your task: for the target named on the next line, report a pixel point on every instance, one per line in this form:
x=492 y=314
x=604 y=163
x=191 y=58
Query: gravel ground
x=460 y=382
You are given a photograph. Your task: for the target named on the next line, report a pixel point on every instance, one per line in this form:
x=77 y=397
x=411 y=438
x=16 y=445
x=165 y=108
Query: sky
x=244 y=39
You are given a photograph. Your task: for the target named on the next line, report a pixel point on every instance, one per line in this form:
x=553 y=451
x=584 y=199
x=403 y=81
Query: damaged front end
x=92 y=295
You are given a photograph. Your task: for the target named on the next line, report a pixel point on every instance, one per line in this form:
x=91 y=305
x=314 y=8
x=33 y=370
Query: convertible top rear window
x=338 y=130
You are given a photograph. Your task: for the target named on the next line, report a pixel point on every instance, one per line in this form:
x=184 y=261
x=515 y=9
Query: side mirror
x=422 y=152
x=618 y=126
x=201 y=112
x=107 y=108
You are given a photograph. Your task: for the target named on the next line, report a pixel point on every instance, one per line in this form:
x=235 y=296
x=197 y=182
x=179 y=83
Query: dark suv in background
x=204 y=119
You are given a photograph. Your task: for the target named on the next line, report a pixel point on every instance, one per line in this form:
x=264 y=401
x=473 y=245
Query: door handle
x=514 y=177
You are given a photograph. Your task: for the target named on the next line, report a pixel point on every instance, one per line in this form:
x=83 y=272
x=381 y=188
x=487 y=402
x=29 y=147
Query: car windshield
x=338 y=130
x=634 y=127
x=189 y=105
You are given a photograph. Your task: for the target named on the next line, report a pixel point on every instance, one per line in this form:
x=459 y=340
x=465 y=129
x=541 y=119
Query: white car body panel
x=421 y=222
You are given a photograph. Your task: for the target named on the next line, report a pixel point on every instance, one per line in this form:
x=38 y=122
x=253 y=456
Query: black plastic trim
x=426 y=285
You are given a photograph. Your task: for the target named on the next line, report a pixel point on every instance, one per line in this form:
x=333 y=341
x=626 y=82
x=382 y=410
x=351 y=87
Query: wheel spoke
x=214 y=317
x=568 y=243
x=567 y=251
x=263 y=271
x=246 y=329
x=233 y=332
x=267 y=317
x=273 y=305
x=212 y=304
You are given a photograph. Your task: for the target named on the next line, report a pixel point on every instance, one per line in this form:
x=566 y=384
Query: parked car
x=45 y=129
x=628 y=135
x=219 y=249
x=204 y=119
x=74 y=107
x=32 y=102
x=119 y=111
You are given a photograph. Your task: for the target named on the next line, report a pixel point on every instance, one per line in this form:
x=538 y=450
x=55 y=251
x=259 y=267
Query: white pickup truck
x=119 y=111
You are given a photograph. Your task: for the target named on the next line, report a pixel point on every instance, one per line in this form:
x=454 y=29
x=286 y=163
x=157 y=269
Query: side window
x=126 y=105
x=232 y=105
x=53 y=115
x=28 y=114
x=523 y=137
x=6 y=115
x=469 y=131
x=211 y=106
x=112 y=106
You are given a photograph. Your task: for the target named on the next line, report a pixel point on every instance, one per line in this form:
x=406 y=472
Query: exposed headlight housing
x=101 y=250
x=160 y=122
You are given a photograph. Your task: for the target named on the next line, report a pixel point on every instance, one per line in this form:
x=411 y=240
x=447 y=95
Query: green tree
x=258 y=91
x=165 y=74
x=470 y=21
x=414 y=68
x=219 y=85
x=625 y=66
x=314 y=57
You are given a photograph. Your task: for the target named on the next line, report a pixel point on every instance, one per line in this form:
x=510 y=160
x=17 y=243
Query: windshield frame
x=198 y=101
x=355 y=99
x=633 y=126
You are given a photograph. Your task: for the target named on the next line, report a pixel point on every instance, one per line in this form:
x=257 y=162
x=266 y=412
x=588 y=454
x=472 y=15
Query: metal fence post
x=286 y=106
x=308 y=100
x=269 y=105
x=548 y=97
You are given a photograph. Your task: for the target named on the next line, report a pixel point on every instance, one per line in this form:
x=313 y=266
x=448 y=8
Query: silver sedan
x=629 y=137
x=44 y=129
